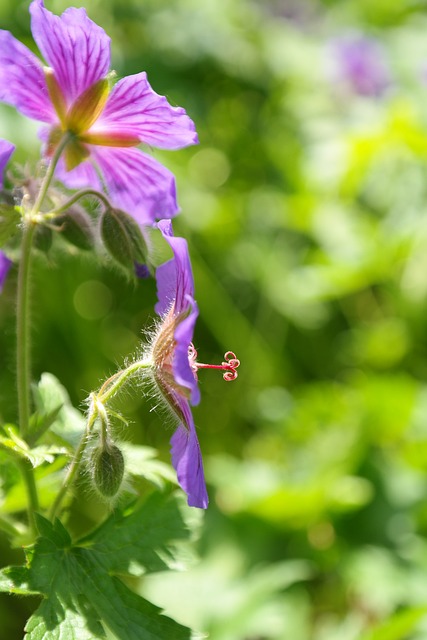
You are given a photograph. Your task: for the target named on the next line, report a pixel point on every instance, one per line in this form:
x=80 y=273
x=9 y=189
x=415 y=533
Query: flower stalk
x=23 y=323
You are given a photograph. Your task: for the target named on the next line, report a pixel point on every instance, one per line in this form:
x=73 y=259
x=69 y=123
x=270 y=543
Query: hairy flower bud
x=107 y=469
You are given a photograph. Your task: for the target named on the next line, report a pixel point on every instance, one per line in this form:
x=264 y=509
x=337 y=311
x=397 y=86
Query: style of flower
x=72 y=96
x=360 y=63
x=174 y=365
x=6 y=150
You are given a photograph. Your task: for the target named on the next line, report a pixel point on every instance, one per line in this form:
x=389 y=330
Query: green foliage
x=79 y=581
x=9 y=222
x=304 y=207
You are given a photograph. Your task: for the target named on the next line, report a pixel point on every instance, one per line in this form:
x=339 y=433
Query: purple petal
x=187 y=461
x=6 y=150
x=83 y=176
x=76 y=48
x=133 y=108
x=22 y=81
x=5 y=265
x=137 y=183
x=182 y=371
x=175 y=277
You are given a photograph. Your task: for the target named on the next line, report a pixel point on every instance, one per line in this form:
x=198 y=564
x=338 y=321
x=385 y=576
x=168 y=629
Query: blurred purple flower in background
x=72 y=95
x=6 y=150
x=360 y=63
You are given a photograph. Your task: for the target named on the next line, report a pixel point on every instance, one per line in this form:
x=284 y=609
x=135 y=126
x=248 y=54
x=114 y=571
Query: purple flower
x=360 y=63
x=73 y=95
x=174 y=365
x=6 y=150
x=172 y=371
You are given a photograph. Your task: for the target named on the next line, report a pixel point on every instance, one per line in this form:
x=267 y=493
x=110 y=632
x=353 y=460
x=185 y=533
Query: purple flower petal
x=5 y=265
x=83 y=176
x=175 y=285
x=137 y=183
x=22 y=81
x=133 y=108
x=6 y=150
x=187 y=461
x=182 y=370
x=76 y=48
x=175 y=277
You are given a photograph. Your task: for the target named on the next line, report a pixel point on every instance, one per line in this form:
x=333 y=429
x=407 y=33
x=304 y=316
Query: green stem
x=49 y=174
x=100 y=399
x=23 y=329
x=77 y=196
x=23 y=299
x=74 y=467
x=119 y=379
x=27 y=472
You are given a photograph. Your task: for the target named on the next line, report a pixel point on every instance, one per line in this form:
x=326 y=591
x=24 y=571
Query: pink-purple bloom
x=173 y=373
x=72 y=95
x=361 y=65
x=6 y=150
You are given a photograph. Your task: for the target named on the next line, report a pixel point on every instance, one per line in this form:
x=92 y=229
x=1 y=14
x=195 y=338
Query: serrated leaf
x=82 y=596
x=123 y=238
x=10 y=218
x=168 y=525
x=49 y=394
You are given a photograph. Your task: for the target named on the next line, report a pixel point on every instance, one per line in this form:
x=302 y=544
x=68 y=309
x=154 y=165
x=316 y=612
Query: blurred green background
x=305 y=208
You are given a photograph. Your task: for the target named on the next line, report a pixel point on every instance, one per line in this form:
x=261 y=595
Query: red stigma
x=229 y=365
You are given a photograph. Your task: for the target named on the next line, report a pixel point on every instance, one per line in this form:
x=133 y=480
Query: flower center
x=229 y=365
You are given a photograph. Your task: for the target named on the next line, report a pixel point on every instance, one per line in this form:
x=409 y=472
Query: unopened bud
x=75 y=226
x=123 y=238
x=107 y=468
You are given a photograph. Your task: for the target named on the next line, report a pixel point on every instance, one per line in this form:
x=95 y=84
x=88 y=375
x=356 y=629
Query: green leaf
x=40 y=423
x=10 y=218
x=168 y=525
x=51 y=398
x=123 y=238
x=142 y=462
x=18 y=448
x=399 y=625
x=83 y=597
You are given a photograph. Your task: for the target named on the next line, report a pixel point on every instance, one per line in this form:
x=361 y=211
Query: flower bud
x=43 y=238
x=107 y=468
x=123 y=238
x=75 y=226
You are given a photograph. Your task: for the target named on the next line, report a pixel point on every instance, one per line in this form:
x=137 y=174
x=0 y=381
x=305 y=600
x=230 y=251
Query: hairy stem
x=27 y=472
x=97 y=409
x=74 y=467
x=23 y=323
x=23 y=329
x=114 y=384
x=76 y=197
